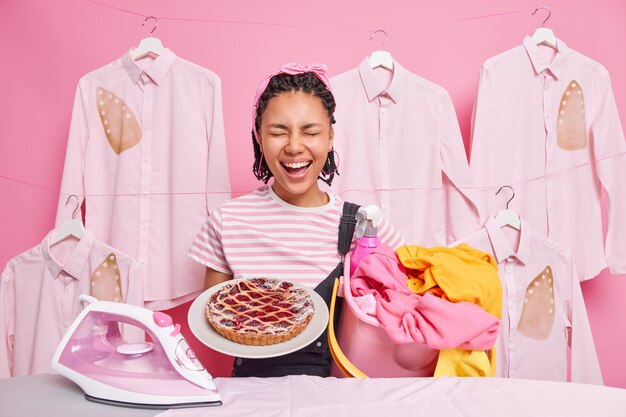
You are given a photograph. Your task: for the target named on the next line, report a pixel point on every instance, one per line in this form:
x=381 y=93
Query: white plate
x=201 y=328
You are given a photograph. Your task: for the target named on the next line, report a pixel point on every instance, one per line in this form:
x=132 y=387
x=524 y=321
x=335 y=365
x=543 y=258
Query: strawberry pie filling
x=260 y=306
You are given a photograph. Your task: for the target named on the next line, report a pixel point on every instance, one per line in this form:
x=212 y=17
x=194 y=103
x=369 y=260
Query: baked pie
x=260 y=311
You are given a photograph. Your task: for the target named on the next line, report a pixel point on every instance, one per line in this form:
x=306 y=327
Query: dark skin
x=213 y=277
x=295 y=128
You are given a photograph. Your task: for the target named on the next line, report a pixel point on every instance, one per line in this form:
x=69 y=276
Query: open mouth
x=296 y=169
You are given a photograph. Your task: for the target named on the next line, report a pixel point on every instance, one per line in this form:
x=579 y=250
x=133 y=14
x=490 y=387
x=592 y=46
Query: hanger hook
x=77 y=203
x=510 y=199
x=386 y=37
x=546 y=19
x=156 y=23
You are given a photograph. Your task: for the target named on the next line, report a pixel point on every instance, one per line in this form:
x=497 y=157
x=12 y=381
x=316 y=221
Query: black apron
x=315 y=358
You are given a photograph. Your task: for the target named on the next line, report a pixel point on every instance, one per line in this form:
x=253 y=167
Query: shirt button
x=145 y=160
x=238 y=361
x=142 y=261
x=66 y=324
x=383 y=110
x=145 y=193
x=147 y=95
x=144 y=226
x=318 y=344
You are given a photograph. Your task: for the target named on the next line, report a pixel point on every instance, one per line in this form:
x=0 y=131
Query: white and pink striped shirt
x=258 y=234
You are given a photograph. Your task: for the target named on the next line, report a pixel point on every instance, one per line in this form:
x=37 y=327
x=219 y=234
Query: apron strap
x=347 y=225
x=346 y=231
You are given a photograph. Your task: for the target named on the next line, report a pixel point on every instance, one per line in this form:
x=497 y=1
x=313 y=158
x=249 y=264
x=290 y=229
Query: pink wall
x=47 y=46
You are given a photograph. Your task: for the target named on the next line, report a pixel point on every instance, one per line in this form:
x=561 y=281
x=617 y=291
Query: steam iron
x=162 y=373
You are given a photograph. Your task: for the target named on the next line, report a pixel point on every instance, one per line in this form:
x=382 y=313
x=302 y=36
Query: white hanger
x=508 y=217
x=150 y=45
x=543 y=34
x=71 y=227
x=381 y=58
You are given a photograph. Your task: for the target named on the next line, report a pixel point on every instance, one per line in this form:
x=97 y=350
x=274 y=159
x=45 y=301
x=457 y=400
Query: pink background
x=47 y=46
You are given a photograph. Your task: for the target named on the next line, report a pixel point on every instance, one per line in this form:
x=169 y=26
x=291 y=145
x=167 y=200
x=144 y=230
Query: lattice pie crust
x=260 y=311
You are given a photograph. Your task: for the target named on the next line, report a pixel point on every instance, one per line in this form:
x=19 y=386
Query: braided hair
x=283 y=83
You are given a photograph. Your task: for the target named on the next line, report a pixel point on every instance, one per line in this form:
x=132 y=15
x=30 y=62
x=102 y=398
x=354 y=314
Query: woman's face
x=295 y=137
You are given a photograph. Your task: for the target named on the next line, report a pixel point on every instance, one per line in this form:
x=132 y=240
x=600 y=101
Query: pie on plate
x=260 y=311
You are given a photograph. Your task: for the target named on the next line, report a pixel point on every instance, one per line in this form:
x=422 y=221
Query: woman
x=288 y=230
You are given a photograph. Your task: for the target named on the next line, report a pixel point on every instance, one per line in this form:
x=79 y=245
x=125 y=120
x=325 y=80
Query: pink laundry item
x=407 y=317
x=383 y=272
x=366 y=303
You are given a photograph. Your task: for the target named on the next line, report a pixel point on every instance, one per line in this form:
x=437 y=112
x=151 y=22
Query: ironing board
x=306 y=396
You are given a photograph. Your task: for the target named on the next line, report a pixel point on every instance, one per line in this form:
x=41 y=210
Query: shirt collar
x=373 y=88
x=75 y=262
x=156 y=70
x=501 y=248
x=540 y=62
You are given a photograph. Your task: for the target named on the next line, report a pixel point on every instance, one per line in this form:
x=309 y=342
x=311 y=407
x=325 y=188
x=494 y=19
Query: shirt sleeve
x=461 y=213
x=479 y=149
x=135 y=286
x=73 y=170
x=7 y=321
x=207 y=247
x=585 y=367
x=132 y=293
x=609 y=148
x=218 y=180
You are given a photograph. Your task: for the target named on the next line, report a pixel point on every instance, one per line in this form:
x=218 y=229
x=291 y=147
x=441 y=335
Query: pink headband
x=292 y=69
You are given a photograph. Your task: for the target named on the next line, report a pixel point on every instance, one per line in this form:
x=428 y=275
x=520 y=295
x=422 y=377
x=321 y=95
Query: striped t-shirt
x=258 y=234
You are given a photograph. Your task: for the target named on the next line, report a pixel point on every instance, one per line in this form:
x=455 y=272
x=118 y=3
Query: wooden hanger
x=71 y=227
x=149 y=45
x=543 y=34
x=381 y=58
x=508 y=217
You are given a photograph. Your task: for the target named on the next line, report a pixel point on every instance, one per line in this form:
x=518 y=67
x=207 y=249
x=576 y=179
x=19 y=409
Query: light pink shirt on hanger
x=147 y=149
x=39 y=297
x=399 y=147
x=545 y=116
x=543 y=311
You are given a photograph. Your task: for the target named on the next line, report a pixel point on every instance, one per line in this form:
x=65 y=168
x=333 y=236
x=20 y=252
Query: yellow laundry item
x=456 y=274
x=461 y=273
x=459 y=362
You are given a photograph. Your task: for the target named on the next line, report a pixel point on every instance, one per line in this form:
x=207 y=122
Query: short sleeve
x=207 y=247
x=390 y=235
